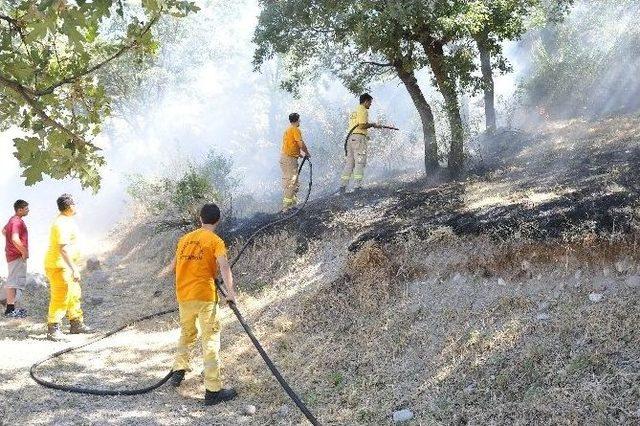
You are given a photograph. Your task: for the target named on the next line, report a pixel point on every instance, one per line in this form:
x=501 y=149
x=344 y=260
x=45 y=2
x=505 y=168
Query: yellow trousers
x=205 y=314
x=290 y=184
x=356 y=160
x=64 y=295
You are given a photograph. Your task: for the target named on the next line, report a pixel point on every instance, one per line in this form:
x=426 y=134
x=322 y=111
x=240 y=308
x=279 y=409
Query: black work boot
x=213 y=398
x=79 y=327
x=177 y=377
x=54 y=333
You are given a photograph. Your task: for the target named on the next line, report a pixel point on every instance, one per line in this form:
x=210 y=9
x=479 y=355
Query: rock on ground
x=93 y=264
x=595 y=297
x=284 y=411
x=249 y=410
x=402 y=416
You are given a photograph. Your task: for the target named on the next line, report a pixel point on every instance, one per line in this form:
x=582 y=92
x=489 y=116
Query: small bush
x=175 y=201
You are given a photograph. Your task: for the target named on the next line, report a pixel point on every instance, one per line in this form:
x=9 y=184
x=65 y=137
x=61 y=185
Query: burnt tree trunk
x=487 y=80
x=447 y=86
x=410 y=82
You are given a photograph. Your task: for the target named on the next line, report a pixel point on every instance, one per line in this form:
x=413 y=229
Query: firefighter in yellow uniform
x=356 y=160
x=293 y=147
x=62 y=267
x=198 y=256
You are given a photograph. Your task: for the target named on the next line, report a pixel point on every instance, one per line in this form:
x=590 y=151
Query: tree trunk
x=426 y=117
x=487 y=79
x=447 y=86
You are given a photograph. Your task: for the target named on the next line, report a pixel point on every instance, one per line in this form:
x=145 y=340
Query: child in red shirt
x=17 y=252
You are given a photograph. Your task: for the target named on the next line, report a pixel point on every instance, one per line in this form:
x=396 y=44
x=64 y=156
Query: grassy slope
x=466 y=302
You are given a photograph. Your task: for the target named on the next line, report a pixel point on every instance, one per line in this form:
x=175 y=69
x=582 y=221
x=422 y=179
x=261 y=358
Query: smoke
x=202 y=94
x=585 y=66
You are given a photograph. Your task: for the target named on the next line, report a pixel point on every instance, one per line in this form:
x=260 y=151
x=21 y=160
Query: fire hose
x=274 y=370
x=346 y=140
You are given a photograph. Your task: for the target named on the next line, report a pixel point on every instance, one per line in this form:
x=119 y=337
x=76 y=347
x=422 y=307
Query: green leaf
x=26 y=148
x=38 y=31
x=32 y=175
x=44 y=5
x=81 y=104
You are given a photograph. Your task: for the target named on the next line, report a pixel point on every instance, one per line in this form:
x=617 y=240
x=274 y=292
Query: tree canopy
x=50 y=55
x=370 y=40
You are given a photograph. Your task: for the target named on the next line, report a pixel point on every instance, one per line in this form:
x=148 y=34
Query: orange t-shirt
x=290 y=140
x=196 y=265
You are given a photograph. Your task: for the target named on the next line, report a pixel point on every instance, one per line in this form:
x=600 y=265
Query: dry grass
x=468 y=329
x=414 y=323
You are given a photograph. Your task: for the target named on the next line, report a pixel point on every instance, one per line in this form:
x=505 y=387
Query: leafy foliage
x=587 y=65
x=354 y=39
x=371 y=40
x=50 y=52
x=176 y=200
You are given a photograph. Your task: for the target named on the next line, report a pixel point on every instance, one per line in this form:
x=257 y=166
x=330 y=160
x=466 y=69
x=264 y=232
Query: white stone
x=402 y=416
x=633 y=281
x=595 y=297
x=543 y=316
x=249 y=410
x=458 y=279
x=284 y=411
x=501 y=282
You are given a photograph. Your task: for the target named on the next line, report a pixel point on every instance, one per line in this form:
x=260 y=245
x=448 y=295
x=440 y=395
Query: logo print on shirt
x=192 y=250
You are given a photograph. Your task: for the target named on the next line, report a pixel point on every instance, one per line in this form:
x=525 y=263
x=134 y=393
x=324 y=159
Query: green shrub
x=175 y=201
x=587 y=66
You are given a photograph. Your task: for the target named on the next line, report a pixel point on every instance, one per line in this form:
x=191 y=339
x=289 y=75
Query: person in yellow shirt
x=356 y=159
x=62 y=268
x=199 y=254
x=293 y=147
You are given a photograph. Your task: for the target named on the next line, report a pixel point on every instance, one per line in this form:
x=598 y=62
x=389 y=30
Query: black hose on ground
x=274 y=370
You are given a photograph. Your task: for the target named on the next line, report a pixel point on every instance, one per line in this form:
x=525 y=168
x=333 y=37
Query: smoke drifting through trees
x=588 y=65
x=200 y=94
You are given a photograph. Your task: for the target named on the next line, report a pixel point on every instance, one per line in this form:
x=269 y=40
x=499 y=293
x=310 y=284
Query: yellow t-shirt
x=359 y=116
x=290 y=140
x=64 y=231
x=196 y=265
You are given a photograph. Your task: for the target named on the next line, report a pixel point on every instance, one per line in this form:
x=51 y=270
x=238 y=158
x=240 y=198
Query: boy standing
x=17 y=252
x=198 y=256
x=292 y=147
x=62 y=267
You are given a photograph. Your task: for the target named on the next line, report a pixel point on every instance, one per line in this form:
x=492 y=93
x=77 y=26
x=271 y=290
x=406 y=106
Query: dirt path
x=134 y=357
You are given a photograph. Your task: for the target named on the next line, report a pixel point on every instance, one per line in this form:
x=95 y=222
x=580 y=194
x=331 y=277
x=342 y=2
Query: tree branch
x=10 y=20
x=24 y=94
x=12 y=84
x=377 y=64
x=123 y=49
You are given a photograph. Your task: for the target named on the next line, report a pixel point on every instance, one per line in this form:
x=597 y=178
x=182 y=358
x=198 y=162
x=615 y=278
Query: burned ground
x=538 y=185
x=508 y=297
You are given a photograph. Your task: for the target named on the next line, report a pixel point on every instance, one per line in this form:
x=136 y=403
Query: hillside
x=509 y=297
